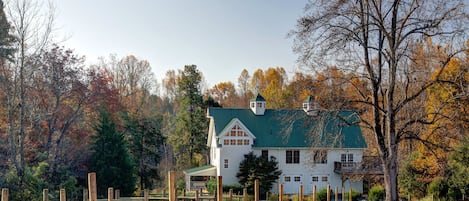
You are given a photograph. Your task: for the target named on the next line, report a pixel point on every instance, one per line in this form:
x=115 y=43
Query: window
x=253 y=104
x=292 y=156
x=320 y=156
x=225 y=163
x=315 y=179
x=233 y=142
x=350 y=158
x=240 y=142
x=324 y=179
x=287 y=179
x=346 y=160
x=226 y=142
x=259 y=105
x=246 y=142
x=265 y=153
x=297 y=178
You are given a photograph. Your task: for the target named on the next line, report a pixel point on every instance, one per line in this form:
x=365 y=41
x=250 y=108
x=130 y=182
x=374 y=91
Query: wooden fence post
x=328 y=193
x=231 y=194
x=245 y=194
x=145 y=195
x=219 y=188
x=171 y=186
x=256 y=190
x=63 y=195
x=343 y=192
x=5 y=194
x=92 y=188
x=197 y=195
x=280 y=192
x=350 y=195
x=314 y=193
x=110 y=194
x=45 y=194
x=300 y=196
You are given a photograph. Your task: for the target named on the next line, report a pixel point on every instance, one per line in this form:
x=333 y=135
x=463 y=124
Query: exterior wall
x=306 y=170
x=234 y=155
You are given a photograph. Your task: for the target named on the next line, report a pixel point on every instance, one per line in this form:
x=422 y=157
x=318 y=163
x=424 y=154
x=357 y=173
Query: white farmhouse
x=311 y=146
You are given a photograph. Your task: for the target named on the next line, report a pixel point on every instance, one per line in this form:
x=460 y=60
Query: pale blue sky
x=220 y=37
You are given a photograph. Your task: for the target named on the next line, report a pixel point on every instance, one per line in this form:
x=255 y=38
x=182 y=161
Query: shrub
x=212 y=185
x=237 y=188
x=376 y=193
x=355 y=195
x=322 y=194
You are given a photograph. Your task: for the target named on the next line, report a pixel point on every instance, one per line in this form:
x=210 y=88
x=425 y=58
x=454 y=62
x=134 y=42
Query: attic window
x=253 y=104
x=259 y=105
x=237 y=131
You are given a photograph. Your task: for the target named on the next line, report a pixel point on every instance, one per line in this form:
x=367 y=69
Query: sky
x=221 y=37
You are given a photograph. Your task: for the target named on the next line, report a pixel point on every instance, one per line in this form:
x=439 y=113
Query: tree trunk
x=390 y=177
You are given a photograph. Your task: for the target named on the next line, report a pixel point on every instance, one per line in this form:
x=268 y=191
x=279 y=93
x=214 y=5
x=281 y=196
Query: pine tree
x=189 y=139
x=111 y=159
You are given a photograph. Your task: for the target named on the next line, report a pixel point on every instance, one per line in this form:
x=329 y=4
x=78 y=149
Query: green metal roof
x=197 y=169
x=294 y=128
x=258 y=98
x=308 y=99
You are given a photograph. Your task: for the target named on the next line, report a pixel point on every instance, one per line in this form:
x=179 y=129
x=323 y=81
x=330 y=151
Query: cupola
x=257 y=105
x=310 y=106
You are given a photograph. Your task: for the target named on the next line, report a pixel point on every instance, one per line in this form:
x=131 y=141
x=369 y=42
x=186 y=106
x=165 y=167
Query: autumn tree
x=224 y=93
x=59 y=99
x=375 y=38
x=244 y=90
x=189 y=138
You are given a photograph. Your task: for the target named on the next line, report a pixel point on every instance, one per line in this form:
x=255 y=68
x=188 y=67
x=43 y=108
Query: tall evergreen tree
x=111 y=159
x=147 y=138
x=189 y=139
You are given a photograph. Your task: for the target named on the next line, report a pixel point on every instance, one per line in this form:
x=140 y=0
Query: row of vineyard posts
x=90 y=194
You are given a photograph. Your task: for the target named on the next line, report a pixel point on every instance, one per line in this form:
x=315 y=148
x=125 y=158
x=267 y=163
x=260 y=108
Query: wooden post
x=300 y=196
x=171 y=186
x=219 y=188
x=145 y=195
x=45 y=194
x=110 y=194
x=92 y=188
x=63 y=195
x=336 y=193
x=256 y=190
x=5 y=194
x=85 y=194
x=328 y=193
x=197 y=195
x=280 y=192
x=350 y=195
x=117 y=194
x=343 y=192
x=314 y=193
x=245 y=194
x=231 y=194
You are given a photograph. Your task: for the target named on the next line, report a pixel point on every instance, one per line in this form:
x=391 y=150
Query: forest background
x=61 y=118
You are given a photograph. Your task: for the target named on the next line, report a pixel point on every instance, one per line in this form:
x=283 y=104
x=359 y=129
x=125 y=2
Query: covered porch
x=196 y=178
